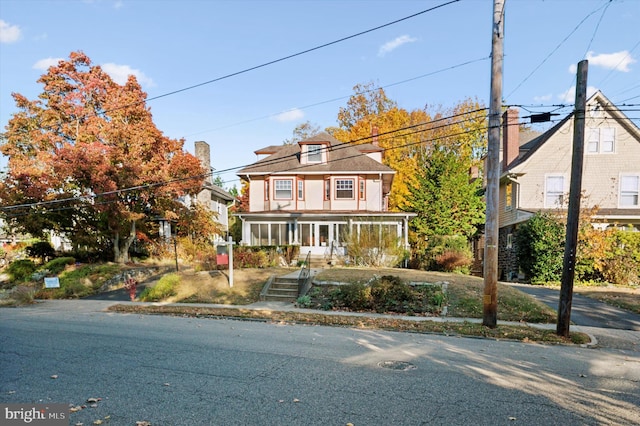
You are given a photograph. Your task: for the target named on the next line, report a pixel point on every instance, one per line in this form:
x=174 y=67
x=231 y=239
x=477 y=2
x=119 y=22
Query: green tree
x=540 y=247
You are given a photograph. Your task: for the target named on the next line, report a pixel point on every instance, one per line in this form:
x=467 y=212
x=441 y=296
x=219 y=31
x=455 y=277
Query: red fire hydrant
x=130 y=284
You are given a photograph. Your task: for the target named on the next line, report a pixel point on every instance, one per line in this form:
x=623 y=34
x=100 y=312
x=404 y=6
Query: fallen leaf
x=281 y=400
x=90 y=400
x=75 y=409
x=143 y=423
x=296 y=400
x=512 y=418
x=167 y=384
x=93 y=405
x=97 y=422
x=54 y=376
x=107 y=417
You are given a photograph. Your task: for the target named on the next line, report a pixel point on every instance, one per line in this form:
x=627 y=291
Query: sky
x=242 y=74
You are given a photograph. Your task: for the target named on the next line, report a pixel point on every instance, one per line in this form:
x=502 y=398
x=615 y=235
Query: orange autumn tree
x=87 y=161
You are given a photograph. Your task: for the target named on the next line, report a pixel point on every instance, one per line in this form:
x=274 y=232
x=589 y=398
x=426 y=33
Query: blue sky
x=437 y=58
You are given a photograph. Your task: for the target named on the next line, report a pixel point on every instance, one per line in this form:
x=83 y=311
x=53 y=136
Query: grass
x=464 y=300
x=622 y=297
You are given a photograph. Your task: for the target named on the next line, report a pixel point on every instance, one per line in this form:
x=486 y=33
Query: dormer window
x=314 y=153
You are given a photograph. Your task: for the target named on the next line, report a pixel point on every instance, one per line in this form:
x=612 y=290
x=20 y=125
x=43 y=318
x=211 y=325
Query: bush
x=391 y=294
x=42 y=250
x=454 y=260
x=21 y=270
x=166 y=287
x=250 y=257
x=540 y=247
x=355 y=296
x=58 y=265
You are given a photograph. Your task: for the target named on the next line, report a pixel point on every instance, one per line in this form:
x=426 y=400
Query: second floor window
x=361 y=189
x=629 y=191
x=554 y=191
x=283 y=189
x=601 y=140
x=344 y=189
x=314 y=153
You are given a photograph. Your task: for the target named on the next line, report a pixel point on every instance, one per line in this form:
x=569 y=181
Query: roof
x=341 y=158
x=529 y=148
x=218 y=192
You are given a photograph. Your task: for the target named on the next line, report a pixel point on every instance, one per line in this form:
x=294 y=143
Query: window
x=327 y=189
x=361 y=190
x=508 y=196
x=554 y=193
x=344 y=189
x=283 y=189
x=601 y=140
x=300 y=189
x=266 y=190
x=509 y=241
x=629 y=190
x=314 y=153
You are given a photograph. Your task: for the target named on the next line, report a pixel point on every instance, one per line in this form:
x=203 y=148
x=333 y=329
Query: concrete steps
x=280 y=289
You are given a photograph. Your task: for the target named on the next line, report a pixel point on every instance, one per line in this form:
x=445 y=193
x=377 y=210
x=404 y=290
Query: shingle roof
x=342 y=157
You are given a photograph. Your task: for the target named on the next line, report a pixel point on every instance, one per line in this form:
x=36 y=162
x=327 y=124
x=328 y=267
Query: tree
x=86 y=159
x=446 y=201
x=302 y=131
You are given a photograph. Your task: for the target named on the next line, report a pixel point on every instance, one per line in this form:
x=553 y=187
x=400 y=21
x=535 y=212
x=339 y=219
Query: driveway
x=585 y=311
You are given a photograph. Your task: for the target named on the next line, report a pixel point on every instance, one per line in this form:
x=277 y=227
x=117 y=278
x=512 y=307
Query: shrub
x=540 y=247
x=58 y=265
x=23 y=295
x=356 y=296
x=166 y=287
x=41 y=249
x=21 y=270
x=391 y=294
x=454 y=260
x=250 y=257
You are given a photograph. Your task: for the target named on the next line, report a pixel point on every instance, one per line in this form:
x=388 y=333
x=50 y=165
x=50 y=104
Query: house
x=535 y=175
x=314 y=193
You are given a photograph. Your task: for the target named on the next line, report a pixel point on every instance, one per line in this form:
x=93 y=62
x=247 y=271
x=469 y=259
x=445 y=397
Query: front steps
x=280 y=289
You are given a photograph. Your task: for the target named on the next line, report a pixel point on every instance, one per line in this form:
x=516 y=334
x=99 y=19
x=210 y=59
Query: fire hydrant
x=130 y=284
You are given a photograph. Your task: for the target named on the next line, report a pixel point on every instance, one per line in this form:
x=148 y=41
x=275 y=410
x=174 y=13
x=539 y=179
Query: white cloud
x=619 y=61
x=291 y=115
x=543 y=98
x=394 y=44
x=120 y=73
x=9 y=33
x=44 y=64
x=570 y=95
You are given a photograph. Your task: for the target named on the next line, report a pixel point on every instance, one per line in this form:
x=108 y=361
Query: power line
x=553 y=51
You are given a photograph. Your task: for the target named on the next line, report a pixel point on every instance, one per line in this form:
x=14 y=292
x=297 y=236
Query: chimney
x=374 y=135
x=203 y=153
x=510 y=138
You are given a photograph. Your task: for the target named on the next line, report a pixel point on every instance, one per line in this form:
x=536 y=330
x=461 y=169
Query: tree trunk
x=121 y=254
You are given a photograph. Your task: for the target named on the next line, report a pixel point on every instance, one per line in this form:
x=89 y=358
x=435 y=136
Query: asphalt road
x=585 y=311
x=188 y=371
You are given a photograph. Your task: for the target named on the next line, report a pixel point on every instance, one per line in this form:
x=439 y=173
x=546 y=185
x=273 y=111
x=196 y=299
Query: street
x=190 y=371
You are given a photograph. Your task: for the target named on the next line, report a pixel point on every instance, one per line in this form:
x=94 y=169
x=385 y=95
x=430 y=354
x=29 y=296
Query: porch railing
x=303 y=276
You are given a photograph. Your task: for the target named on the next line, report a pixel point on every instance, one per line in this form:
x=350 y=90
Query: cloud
x=291 y=115
x=543 y=98
x=9 y=33
x=570 y=95
x=619 y=61
x=120 y=73
x=118 y=5
x=44 y=64
x=394 y=44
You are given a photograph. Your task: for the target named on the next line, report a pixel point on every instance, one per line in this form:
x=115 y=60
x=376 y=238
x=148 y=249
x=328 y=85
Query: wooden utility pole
x=573 y=214
x=490 y=294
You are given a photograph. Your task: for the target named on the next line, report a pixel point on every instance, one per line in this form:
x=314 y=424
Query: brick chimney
x=374 y=135
x=510 y=138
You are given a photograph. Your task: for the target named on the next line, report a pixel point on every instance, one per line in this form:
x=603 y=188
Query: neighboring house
x=212 y=196
x=313 y=193
x=536 y=175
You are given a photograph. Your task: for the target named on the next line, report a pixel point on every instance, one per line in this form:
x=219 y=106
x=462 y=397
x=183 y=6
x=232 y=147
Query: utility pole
x=573 y=214
x=490 y=294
